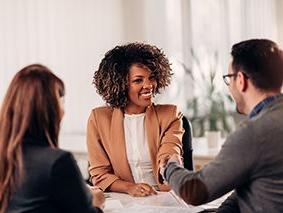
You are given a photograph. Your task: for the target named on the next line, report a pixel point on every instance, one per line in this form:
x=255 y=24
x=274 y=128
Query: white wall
x=71 y=37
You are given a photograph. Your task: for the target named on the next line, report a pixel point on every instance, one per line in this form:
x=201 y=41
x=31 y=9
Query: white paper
x=163 y=202
x=112 y=204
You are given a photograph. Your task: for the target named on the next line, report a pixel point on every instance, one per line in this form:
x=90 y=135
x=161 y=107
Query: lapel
x=152 y=129
x=118 y=145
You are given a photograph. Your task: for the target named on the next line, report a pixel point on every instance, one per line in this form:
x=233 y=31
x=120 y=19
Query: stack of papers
x=164 y=202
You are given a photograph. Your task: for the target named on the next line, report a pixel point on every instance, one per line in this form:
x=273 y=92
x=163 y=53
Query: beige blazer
x=106 y=142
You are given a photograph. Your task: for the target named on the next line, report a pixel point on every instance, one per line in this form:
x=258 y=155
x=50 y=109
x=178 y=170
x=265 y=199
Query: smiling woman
x=141 y=88
x=129 y=138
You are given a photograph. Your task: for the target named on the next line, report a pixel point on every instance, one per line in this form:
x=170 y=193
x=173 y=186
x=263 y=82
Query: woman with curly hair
x=129 y=138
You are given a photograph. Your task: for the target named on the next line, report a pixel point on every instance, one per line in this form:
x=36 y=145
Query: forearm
x=186 y=184
x=229 y=170
x=120 y=186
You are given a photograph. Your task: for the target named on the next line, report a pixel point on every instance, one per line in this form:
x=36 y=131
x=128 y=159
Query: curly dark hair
x=111 y=78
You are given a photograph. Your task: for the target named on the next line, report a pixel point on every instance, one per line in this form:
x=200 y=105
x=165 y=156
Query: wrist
x=128 y=187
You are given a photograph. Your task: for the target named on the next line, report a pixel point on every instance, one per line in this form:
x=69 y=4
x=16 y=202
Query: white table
x=164 y=202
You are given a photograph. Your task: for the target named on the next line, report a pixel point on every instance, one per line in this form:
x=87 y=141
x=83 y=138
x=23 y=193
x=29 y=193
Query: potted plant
x=207 y=108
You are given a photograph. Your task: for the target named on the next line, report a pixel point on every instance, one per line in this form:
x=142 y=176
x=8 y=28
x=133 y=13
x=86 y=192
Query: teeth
x=146 y=94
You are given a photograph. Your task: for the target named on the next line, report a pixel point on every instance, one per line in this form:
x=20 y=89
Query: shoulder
x=43 y=156
x=101 y=112
x=167 y=110
x=167 y=114
x=64 y=158
x=58 y=158
x=56 y=153
x=165 y=107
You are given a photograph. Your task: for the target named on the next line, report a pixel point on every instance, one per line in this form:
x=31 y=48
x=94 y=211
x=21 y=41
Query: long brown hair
x=30 y=107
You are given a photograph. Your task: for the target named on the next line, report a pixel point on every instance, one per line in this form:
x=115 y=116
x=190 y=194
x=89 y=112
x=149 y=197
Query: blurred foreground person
x=36 y=176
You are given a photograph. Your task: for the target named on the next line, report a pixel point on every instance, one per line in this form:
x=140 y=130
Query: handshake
x=175 y=158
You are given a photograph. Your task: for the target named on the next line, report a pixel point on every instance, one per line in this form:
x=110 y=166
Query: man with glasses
x=251 y=159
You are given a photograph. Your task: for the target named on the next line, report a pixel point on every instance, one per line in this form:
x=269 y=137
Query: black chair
x=187 y=144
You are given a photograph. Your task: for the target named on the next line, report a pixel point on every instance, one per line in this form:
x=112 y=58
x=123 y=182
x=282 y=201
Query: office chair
x=187 y=144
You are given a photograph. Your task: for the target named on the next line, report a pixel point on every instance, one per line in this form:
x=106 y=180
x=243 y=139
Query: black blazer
x=52 y=182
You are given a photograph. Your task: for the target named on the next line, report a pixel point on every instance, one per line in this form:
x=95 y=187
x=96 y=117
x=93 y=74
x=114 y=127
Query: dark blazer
x=52 y=182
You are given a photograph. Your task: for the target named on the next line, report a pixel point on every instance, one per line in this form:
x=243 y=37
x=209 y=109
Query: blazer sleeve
x=68 y=190
x=172 y=133
x=230 y=205
x=100 y=169
x=231 y=169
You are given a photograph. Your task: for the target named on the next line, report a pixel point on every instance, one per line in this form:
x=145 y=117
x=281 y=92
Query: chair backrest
x=187 y=144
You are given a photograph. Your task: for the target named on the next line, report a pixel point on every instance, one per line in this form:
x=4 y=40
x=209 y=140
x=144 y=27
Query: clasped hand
x=141 y=190
x=98 y=197
x=165 y=161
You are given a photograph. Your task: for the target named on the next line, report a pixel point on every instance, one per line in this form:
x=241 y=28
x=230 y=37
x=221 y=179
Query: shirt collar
x=261 y=105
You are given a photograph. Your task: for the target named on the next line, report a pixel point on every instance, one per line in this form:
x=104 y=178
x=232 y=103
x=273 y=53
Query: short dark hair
x=261 y=60
x=111 y=78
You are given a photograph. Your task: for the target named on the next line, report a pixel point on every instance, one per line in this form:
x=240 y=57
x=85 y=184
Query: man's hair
x=262 y=62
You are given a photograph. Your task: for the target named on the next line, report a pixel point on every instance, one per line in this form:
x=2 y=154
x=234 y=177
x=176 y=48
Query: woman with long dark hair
x=36 y=176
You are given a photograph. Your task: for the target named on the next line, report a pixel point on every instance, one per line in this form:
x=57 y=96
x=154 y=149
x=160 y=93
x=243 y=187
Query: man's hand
x=176 y=158
x=162 y=166
x=164 y=162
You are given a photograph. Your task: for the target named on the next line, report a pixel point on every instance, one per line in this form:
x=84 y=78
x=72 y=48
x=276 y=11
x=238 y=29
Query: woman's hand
x=176 y=158
x=98 y=198
x=164 y=162
x=141 y=190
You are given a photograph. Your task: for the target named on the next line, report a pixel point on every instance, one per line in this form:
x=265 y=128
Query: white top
x=137 y=149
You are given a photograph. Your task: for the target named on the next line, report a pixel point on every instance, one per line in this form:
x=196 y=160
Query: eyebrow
x=138 y=76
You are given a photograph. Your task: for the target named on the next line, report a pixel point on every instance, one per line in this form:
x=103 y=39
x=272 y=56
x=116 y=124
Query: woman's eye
x=137 y=80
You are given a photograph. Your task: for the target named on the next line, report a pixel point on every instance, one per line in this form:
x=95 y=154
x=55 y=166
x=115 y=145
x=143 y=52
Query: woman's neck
x=134 y=110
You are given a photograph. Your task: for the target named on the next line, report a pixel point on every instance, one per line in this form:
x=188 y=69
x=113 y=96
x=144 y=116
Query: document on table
x=166 y=202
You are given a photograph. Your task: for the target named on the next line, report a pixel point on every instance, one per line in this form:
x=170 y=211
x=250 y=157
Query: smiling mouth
x=146 y=94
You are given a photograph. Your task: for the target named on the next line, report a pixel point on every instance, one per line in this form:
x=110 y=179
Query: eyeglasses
x=226 y=78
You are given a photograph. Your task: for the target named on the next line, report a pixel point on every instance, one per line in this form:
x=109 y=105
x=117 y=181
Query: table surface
x=164 y=202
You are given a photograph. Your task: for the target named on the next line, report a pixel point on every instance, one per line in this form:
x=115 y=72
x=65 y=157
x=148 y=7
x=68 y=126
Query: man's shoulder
x=267 y=124
x=270 y=116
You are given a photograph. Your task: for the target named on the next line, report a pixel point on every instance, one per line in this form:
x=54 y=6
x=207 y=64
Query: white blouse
x=137 y=149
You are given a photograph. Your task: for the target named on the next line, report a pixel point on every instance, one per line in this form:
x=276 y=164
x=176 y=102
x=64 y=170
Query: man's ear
x=242 y=82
